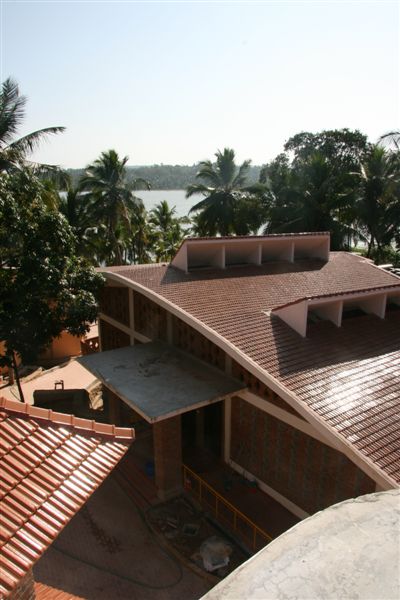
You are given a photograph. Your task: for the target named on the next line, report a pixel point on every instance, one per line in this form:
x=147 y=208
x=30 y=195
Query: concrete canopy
x=349 y=550
x=158 y=380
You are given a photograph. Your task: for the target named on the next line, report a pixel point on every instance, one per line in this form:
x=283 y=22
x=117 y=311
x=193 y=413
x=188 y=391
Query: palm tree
x=76 y=207
x=225 y=191
x=139 y=248
x=167 y=230
x=391 y=139
x=378 y=198
x=13 y=152
x=314 y=198
x=162 y=216
x=112 y=199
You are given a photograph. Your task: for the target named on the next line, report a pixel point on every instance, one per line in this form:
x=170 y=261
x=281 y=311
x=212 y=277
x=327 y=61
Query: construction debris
x=215 y=552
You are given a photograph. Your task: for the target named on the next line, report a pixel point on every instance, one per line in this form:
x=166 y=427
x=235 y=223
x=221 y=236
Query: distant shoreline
x=165 y=177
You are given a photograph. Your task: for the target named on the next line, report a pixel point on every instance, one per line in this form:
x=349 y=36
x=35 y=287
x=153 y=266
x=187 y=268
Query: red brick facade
x=309 y=473
x=150 y=318
x=304 y=470
x=193 y=342
x=112 y=337
x=168 y=456
x=114 y=302
x=259 y=388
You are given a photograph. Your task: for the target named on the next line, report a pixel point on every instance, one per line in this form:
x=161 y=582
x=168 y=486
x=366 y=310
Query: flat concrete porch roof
x=158 y=380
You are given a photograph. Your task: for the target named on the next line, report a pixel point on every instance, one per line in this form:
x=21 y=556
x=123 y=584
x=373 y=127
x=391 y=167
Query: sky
x=173 y=82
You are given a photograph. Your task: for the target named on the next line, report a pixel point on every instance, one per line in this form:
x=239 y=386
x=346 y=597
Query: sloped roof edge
x=50 y=465
x=78 y=423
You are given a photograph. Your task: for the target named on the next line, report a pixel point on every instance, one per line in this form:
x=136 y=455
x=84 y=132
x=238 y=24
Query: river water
x=173 y=197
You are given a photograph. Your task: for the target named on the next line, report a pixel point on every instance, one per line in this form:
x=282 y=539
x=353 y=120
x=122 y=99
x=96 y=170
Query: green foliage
x=230 y=205
x=312 y=197
x=167 y=231
x=342 y=148
x=14 y=152
x=334 y=181
x=391 y=140
x=112 y=202
x=45 y=287
x=377 y=205
x=385 y=255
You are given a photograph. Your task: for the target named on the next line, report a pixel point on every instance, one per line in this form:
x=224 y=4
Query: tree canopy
x=14 y=152
x=111 y=199
x=230 y=205
x=335 y=181
x=45 y=287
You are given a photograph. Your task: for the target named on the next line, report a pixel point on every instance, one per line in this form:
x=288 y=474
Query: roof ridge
x=257 y=237
x=67 y=420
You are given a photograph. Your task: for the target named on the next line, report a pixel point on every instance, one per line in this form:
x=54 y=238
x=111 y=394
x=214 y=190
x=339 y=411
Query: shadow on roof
x=174 y=275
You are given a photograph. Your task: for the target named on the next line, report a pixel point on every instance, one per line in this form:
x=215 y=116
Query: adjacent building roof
x=50 y=464
x=72 y=374
x=154 y=379
x=308 y=560
x=345 y=379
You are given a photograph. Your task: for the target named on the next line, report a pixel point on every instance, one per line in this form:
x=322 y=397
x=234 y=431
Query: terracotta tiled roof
x=380 y=288
x=50 y=464
x=349 y=377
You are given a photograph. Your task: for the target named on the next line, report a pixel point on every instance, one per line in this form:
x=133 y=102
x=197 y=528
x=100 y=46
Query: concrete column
x=167 y=441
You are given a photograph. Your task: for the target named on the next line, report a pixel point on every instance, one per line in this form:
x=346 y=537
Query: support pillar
x=167 y=440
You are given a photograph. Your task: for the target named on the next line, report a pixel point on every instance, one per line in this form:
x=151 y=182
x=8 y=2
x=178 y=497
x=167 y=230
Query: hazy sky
x=172 y=82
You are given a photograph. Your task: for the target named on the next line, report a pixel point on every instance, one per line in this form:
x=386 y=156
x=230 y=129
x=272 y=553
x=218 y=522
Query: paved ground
x=107 y=553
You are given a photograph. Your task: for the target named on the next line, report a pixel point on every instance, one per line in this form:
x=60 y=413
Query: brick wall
x=114 y=302
x=193 y=342
x=304 y=470
x=150 y=319
x=260 y=389
x=112 y=337
x=168 y=457
x=25 y=589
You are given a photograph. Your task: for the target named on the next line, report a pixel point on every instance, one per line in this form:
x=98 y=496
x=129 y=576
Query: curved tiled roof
x=346 y=378
x=380 y=288
x=50 y=464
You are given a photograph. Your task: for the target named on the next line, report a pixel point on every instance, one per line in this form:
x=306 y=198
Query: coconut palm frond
x=13 y=152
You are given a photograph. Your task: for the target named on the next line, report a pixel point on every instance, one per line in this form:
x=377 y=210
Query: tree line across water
x=55 y=226
x=164 y=177
x=334 y=180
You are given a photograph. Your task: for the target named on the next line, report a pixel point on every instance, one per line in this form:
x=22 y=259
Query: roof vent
x=336 y=307
x=223 y=252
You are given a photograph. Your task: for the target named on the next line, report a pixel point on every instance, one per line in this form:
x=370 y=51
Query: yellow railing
x=254 y=537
